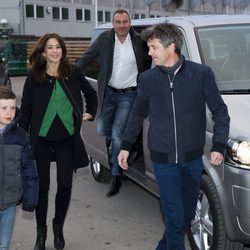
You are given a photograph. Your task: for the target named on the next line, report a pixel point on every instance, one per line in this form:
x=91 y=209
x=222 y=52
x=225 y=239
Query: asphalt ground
x=129 y=221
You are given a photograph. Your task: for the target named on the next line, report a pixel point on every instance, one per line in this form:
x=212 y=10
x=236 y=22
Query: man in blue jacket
x=123 y=56
x=174 y=95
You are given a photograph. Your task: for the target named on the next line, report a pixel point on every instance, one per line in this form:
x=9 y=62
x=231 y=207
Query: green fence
x=17 y=57
x=14 y=49
x=18 y=49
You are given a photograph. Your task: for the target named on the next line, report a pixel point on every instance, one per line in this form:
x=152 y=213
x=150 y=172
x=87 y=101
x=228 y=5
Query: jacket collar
x=172 y=70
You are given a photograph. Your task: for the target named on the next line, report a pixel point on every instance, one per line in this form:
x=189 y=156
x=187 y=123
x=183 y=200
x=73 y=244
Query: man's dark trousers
x=179 y=186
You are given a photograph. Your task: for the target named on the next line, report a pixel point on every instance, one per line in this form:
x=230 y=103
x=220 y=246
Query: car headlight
x=240 y=152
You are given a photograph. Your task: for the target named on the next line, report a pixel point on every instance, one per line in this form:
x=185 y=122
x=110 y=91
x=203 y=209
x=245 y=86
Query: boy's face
x=7 y=111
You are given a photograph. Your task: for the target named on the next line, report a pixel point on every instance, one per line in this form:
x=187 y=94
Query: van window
x=226 y=49
x=184 y=50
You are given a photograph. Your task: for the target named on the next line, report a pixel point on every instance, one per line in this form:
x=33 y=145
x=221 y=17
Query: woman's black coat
x=35 y=99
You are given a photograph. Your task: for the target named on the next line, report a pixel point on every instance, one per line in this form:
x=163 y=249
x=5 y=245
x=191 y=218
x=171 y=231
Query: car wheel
x=99 y=172
x=207 y=230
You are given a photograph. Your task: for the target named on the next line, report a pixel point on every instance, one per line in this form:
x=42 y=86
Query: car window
x=184 y=50
x=226 y=49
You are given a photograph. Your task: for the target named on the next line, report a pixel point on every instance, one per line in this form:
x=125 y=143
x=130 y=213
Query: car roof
x=195 y=20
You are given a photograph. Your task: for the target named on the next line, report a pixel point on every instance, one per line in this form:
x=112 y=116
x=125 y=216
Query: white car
x=222 y=219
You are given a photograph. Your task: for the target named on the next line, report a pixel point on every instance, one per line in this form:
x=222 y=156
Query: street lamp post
x=4 y=24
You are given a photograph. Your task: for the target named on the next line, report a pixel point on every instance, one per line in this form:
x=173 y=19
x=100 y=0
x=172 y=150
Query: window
x=143 y=16
x=79 y=16
x=60 y=13
x=83 y=15
x=39 y=11
x=136 y=16
x=100 y=16
x=34 y=11
x=65 y=13
x=30 y=10
x=87 y=15
x=225 y=49
x=56 y=13
x=104 y=16
x=107 y=16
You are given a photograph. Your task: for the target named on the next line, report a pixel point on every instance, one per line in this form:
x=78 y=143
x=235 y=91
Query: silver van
x=222 y=220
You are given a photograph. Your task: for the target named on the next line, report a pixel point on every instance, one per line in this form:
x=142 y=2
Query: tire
x=207 y=231
x=99 y=172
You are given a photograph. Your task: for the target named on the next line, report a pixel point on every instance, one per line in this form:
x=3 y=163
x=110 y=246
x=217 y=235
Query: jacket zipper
x=174 y=113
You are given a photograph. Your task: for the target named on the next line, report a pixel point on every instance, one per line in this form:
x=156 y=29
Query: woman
x=52 y=112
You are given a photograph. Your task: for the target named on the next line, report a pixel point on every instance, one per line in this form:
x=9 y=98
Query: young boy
x=18 y=173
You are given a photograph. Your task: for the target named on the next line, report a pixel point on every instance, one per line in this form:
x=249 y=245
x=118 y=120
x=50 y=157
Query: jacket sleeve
x=89 y=55
x=135 y=122
x=219 y=112
x=90 y=96
x=26 y=103
x=29 y=177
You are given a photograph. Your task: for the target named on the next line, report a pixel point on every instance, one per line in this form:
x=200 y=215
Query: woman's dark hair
x=38 y=62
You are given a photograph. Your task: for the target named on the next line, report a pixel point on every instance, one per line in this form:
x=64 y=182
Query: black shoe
x=41 y=238
x=116 y=183
x=59 y=241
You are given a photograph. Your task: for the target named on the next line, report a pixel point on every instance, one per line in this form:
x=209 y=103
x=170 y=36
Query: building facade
x=77 y=18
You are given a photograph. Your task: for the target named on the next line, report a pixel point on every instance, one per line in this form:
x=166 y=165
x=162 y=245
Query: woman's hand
x=87 y=117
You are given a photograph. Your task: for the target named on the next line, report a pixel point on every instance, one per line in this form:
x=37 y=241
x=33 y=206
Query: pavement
x=129 y=221
x=17 y=86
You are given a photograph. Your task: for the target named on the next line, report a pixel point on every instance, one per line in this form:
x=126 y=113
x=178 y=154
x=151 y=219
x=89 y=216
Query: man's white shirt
x=124 y=73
